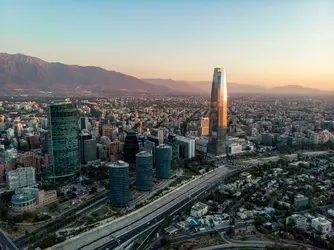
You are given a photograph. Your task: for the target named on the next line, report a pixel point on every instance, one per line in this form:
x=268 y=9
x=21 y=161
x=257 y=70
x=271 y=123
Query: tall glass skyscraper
x=119 y=191
x=163 y=159
x=218 y=113
x=144 y=171
x=131 y=147
x=62 y=141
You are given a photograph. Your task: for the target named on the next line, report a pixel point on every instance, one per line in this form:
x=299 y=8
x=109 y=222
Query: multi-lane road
x=126 y=227
x=5 y=243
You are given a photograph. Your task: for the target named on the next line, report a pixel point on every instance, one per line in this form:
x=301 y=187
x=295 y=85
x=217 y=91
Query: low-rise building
x=300 y=220
x=21 y=177
x=322 y=225
x=199 y=209
x=300 y=201
x=234 y=148
x=30 y=199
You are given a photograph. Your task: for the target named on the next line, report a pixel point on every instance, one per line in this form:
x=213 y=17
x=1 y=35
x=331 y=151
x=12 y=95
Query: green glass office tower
x=144 y=171
x=163 y=158
x=62 y=142
x=119 y=191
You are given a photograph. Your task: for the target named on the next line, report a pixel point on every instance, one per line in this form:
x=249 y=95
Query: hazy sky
x=265 y=42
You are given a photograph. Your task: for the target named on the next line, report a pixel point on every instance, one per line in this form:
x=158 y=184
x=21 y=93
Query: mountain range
x=32 y=75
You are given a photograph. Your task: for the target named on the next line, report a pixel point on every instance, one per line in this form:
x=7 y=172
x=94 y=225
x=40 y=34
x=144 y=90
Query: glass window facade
x=144 y=171
x=119 y=184
x=163 y=160
x=63 y=141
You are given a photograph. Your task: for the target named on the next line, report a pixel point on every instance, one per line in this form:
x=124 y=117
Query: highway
x=23 y=241
x=5 y=243
x=123 y=238
x=231 y=243
x=128 y=226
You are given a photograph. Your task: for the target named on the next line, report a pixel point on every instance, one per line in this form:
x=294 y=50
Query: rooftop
x=199 y=206
x=163 y=146
x=118 y=164
x=144 y=153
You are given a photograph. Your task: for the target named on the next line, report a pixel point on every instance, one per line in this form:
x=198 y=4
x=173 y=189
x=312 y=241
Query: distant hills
x=203 y=87
x=31 y=75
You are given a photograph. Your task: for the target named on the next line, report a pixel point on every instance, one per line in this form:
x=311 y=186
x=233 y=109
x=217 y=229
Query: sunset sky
x=263 y=42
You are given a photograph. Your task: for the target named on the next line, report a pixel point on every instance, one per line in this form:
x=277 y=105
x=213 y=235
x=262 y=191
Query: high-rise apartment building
x=163 y=160
x=218 y=113
x=115 y=151
x=63 y=141
x=144 y=171
x=119 y=191
x=186 y=147
x=83 y=123
x=131 y=147
x=90 y=151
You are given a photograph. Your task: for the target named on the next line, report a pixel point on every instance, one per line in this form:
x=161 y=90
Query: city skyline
x=265 y=43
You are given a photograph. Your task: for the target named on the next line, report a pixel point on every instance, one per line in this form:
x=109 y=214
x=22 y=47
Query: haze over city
x=203 y=124
x=262 y=42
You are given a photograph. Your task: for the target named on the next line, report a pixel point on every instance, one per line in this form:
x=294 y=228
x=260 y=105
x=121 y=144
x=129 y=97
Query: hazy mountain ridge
x=179 y=86
x=30 y=73
x=204 y=87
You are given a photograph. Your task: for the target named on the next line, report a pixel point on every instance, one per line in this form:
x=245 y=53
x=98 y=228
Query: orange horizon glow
x=259 y=42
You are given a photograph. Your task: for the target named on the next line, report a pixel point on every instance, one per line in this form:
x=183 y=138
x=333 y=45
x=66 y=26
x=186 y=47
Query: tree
x=259 y=220
x=165 y=241
x=93 y=190
x=166 y=222
x=86 y=182
x=230 y=231
x=291 y=223
x=53 y=207
x=248 y=206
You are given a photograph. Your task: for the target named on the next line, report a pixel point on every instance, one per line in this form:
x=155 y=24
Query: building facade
x=30 y=199
x=218 y=113
x=172 y=141
x=144 y=171
x=187 y=147
x=234 y=148
x=321 y=225
x=300 y=201
x=30 y=159
x=163 y=160
x=131 y=147
x=199 y=209
x=21 y=177
x=204 y=126
x=115 y=151
x=90 y=150
x=63 y=141
x=119 y=192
